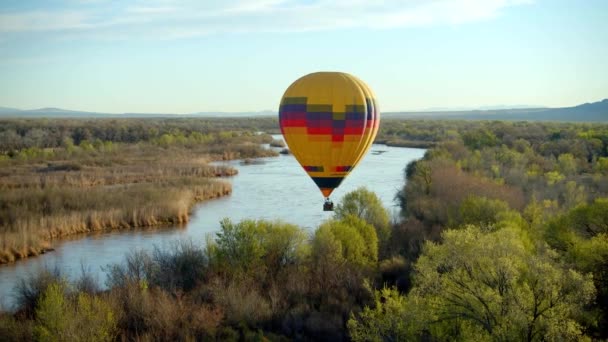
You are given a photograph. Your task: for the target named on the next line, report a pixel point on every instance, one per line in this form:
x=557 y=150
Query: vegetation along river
x=268 y=188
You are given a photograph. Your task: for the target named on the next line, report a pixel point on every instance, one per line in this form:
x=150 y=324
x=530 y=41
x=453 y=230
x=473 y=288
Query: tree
x=582 y=236
x=567 y=164
x=256 y=247
x=352 y=239
x=479 y=138
x=482 y=211
x=59 y=319
x=494 y=285
x=366 y=205
x=392 y=318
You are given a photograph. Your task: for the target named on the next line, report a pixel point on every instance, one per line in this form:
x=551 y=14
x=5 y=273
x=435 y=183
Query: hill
x=587 y=112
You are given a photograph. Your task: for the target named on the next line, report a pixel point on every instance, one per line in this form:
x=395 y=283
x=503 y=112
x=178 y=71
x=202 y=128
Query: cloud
x=178 y=19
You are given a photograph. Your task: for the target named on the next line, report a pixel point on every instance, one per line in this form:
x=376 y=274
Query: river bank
x=117 y=186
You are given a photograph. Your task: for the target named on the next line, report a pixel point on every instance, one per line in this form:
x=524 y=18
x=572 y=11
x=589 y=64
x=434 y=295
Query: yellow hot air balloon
x=329 y=121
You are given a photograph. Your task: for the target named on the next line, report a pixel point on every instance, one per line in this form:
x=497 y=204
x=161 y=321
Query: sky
x=158 y=56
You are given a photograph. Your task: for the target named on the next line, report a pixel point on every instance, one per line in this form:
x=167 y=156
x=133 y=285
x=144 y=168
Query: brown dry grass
x=138 y=185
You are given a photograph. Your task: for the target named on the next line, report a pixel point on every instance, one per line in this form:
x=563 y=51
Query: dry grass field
x=51 y=192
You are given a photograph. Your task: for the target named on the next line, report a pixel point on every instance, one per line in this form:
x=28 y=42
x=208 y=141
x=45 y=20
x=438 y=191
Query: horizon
x=240 y=56
x=264 y=111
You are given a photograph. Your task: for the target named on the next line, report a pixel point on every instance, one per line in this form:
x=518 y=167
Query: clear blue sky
x=237 y=55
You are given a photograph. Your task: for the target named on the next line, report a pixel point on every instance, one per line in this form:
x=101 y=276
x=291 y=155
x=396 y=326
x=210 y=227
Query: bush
x=30 y=289
x=260 y=248
x=180 y=268
x=137 y=269
x=59 y=319
x=12 y=329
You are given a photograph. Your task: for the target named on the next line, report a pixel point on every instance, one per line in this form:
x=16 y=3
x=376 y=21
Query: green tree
x=479 y=138
x=366 y=205
x=495 y=285
x=567 y=164
x=353 y=239
x=392 y=318
x=573 y=195
x=582 y=236
x=482 y=211
x=554 y=177
x=51 y=321
x=257 y=246
x=59 y=319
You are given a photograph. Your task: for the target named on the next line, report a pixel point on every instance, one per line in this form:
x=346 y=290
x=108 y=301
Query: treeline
x=48 y=191
x=504 y=236
x=19 y=134
x=547 y=138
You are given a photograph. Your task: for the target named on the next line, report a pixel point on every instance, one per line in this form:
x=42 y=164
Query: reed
x=32 y=217
x=131 y=185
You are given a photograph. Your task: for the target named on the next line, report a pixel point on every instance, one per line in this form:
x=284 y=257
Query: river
x=274 y=188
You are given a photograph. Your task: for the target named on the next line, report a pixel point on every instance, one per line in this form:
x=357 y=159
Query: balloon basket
x=328 y=205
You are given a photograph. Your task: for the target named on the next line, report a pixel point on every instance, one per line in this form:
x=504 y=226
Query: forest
x=503 y=235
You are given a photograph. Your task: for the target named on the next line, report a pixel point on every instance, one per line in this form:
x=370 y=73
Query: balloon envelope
x=329 y=120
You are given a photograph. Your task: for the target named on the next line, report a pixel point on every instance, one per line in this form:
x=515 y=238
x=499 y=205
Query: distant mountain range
x=6 y=112
x=588 y=112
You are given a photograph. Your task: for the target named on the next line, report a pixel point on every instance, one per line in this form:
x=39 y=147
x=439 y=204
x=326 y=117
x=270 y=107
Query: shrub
x=59 y=319
x=257 y=247
x=179 y=268
x=29 y=290
x=12 y=329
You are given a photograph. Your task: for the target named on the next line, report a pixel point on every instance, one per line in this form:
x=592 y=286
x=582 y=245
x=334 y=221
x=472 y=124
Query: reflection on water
x=276 y=188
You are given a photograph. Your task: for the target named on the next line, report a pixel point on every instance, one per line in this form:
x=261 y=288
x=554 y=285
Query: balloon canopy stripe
x=343 y=168
x=313 y=168
x=320 y=119
x=328 y=182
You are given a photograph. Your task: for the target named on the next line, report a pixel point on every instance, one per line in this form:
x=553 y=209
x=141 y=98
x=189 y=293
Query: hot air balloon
x=329 y=121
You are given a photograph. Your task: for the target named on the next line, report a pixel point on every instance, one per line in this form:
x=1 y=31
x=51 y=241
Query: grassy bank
x=48 y=191
x=32 y=217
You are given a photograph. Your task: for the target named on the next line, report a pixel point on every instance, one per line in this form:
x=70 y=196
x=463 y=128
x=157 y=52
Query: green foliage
x=602 y=165
x=257 y=246
x=30 y=289
x=567 y=164
x=553 y=177
x=479 y=138
x=392 y=318
x=494 y=284
x=52 y=321
x=482 y=211
x=366 y=205
x=350 y=239
x=573 y=195
x=59 y=319
x=12 y=329
x=582 y=236
x=584 y=221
